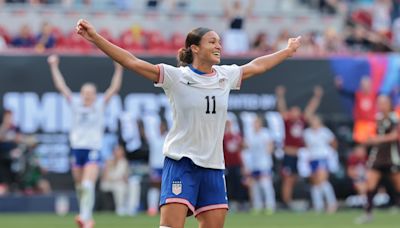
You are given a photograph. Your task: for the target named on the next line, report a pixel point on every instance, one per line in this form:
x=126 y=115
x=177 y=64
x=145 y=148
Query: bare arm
x=378 y=139
x=115 y=83
x=314 y=102
x=123 y=57
x=250 y=8
x=57 y=77
x=280 y=100
x=264 y=63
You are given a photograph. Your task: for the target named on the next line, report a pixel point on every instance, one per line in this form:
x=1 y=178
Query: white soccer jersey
x=259 y=156
x=87 y=127
x=199 y=105
x=318 y=142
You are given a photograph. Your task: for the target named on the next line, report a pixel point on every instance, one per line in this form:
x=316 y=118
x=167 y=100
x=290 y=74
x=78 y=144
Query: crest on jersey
x=177 y=187
x=222 y=82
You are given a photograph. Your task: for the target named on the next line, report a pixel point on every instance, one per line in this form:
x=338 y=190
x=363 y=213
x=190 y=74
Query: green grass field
x=343 y=219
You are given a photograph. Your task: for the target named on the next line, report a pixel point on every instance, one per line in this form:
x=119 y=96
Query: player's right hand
x=53 y=60
x=86 y=30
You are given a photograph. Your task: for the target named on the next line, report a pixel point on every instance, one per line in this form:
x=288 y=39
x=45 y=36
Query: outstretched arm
x=57 y=77
x=115 y=83
x=266 y=62
x=123 y=57
x=314 y=102
x=280 y=100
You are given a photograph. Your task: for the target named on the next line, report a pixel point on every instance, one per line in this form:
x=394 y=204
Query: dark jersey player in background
x=384 y=157
x=295 y=123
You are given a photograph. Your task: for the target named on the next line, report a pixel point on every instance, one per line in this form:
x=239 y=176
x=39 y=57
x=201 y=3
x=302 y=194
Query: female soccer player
x=193 y=179
x=384 y=157
x=320 y=142
x=85 y=136
x=260 y=147
x=295 y=123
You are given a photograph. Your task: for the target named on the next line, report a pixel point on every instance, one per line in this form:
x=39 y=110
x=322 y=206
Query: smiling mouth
x=217 y=54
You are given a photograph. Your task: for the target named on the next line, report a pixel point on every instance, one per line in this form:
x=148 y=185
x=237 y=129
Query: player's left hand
x=293 y=44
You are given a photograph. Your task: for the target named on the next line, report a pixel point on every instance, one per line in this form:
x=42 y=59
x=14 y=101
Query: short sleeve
x=167 y=76
x=234 y=75
x=329 y=134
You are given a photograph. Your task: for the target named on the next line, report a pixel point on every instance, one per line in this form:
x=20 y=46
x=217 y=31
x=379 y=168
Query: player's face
x=210 y=48
x=384 y=104
x=88 y=94
x=315 y=122
x=257 y=123
x=359 y=151
x=366 y=84
x=7 y=118
x=295 y=112
x=119 y=152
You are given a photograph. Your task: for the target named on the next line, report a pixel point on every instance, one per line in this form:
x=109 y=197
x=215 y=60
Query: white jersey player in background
x=156 y=160
x=198 y=91
x=320 y=143
x=260 y=147
x=86 y=136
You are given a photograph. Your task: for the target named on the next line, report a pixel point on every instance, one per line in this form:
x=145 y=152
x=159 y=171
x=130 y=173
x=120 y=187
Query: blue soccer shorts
x=82 y=157
x=318 y=164
x=200 y=189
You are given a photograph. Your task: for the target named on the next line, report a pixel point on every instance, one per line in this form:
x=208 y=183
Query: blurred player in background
x=234 y=170
x=115 y=179
x=384 y=157
x=156 y=160
x=193 y=175
x=260 y=147
x=364 y=109
x=357 y=171
x=86 y=134
x=295 y=123
x=320 y=142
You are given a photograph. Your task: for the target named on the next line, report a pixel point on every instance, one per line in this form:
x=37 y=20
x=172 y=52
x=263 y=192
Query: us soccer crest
x=177 y=187
x=222 y=82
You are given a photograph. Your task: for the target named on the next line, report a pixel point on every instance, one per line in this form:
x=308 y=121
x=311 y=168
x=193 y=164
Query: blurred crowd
x=368 y=26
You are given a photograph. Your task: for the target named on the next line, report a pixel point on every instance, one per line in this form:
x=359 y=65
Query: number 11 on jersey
x=208 y=105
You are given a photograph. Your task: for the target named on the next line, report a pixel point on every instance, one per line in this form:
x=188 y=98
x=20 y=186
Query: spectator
x=24 y=39
x=332 y=42
x=115 y=179
x=381 y=16
x=233 y=145
x=332 y=7
x=261 y=43
x=153 y=4
x=282 y=39
x=358 y=39
x=309 y=44
x=396 y=34
x=10 y=137
x=45 y=39
x=235 y=39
